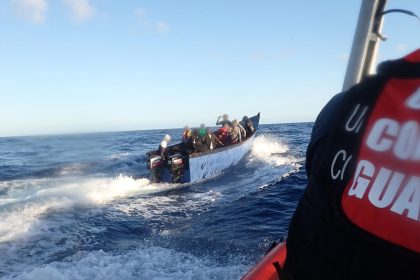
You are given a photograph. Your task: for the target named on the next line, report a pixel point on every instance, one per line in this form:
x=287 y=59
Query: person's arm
x=163 y=153
x=243 y=130
x=217 y=140
x=218 y=122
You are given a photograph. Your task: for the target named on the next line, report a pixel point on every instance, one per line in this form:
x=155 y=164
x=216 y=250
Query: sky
x=107 y=65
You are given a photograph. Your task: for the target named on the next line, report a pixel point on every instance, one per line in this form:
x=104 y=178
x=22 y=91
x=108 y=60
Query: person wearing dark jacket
x=211 y=140
x=225 y=120
x=359 y=217
x=248 y=125
x=197 y=143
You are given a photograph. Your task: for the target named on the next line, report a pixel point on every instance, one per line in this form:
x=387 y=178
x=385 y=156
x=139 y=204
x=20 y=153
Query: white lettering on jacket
x=345 y=159
x=383 y=189
x=380 y=137
x=403 y=139
x=354 y=124
x=413 y=101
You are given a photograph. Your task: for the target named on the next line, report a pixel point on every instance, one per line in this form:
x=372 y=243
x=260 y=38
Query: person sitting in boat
x=202 y=130
x=197 y=143
x=211 y=140
x=225 y=120
x=243 y=131
x=248 y=125
x=235 y=133
x=223 y=134
x=163 y=147
x=186 y=134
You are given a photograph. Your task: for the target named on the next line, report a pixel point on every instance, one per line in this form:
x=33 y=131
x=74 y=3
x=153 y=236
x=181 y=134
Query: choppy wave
x=271 y=150
x=74 y=217
x=278 y=163
x=27 y=200
x=143 y=263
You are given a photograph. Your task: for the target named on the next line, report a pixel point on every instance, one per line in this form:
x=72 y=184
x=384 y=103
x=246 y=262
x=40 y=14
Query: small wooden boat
x=182 y=167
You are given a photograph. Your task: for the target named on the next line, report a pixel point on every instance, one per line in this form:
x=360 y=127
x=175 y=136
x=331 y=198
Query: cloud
x=343 y=57
x=161 y=26
x=30 y=10
x=141 y=15
x=80 y=10
x=143 y=19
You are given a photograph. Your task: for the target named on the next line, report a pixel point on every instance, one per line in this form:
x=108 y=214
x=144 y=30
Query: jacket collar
x=406 y=67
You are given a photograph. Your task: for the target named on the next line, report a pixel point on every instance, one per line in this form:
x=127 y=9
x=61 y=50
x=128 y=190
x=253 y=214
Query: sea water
x=82 y=207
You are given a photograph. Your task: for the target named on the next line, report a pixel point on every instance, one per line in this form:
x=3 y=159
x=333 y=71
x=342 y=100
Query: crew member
x=359 y=216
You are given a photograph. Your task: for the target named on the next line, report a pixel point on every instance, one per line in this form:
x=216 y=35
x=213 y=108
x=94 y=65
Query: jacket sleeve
x=243 y=131
x=216 y=139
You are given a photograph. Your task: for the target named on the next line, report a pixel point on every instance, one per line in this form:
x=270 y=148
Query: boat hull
x=208 y=166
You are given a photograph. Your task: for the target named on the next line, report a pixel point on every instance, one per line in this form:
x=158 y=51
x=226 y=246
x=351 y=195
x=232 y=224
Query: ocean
x=82 y=207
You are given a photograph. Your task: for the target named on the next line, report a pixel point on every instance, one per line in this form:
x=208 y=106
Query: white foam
x=277 y=163
x=119 y=155
x=144 y=263
x=28 y=200
x=270 y=150
x=19 y=221
x=72 y=169
x=161 y=206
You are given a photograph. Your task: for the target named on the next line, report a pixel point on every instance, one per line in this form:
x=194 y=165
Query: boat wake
x=24 y=202
x=142 y=263
x=277 y=163
x=68 y=214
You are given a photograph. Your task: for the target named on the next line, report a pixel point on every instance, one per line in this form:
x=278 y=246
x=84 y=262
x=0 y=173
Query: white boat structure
x=182 y=167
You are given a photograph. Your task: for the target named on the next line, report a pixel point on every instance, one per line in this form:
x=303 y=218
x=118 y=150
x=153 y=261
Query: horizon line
x=116 y=131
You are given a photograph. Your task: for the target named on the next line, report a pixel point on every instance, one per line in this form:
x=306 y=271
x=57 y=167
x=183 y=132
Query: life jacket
x=359 y=217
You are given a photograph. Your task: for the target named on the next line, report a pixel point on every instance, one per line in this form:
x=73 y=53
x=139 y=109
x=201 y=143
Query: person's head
x=186 y=128
x=209 y=131
x=202 y=125
x=234 y=123
x=245 y=119
x=226 y=126
x=167 y=138
x=225 y=117
x=195 y=133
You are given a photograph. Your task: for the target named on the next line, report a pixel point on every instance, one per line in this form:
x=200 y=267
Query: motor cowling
x=154 y=162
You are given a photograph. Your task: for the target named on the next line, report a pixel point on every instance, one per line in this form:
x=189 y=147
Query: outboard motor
x=154 y=161
x=176 y=163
